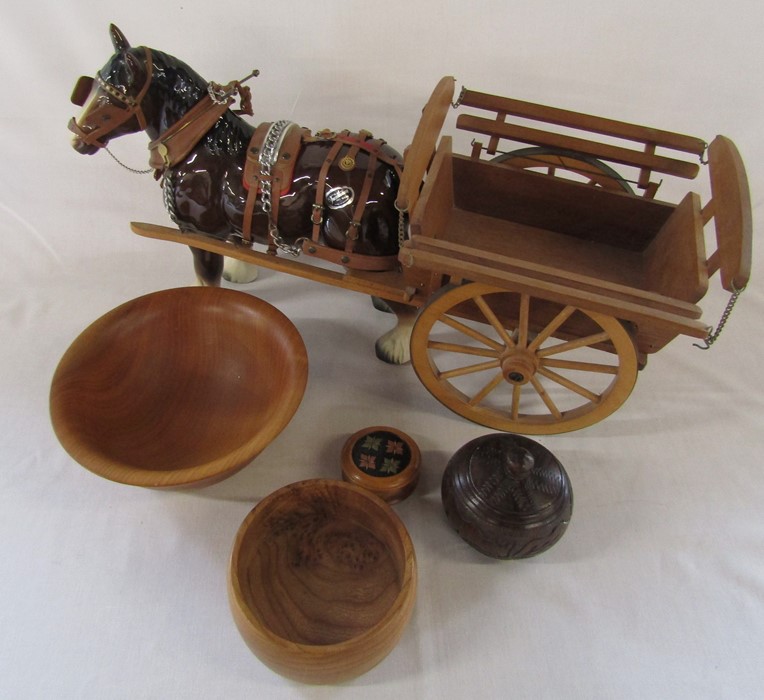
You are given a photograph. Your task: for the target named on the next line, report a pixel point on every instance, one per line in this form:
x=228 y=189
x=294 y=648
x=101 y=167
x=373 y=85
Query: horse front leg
x=394 y=346
x=208 y=267
x=238 y=271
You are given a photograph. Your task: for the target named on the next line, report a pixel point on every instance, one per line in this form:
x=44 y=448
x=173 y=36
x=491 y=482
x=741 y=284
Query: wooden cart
x=546 y=274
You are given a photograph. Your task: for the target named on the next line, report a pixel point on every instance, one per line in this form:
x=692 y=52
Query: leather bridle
x=102 y=120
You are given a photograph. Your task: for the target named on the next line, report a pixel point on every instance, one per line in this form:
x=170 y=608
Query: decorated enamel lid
x=382 y=460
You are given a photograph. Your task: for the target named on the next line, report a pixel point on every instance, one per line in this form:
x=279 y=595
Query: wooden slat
x=419 y=154
x=557 y=204
x=645 y=317
x=614 y=154
x=381 y=284
x=675 y=261
x=632 y=295
x=731 y=213
x=436 y=200
x=586 y=122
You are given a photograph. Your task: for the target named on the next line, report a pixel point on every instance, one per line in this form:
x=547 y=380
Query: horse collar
x=179 y=139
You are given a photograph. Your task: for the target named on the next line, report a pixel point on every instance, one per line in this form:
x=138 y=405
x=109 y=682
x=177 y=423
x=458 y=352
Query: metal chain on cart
x=712 y=337
x=401 y=228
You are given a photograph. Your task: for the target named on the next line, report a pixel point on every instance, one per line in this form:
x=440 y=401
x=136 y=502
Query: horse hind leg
x=394 y=346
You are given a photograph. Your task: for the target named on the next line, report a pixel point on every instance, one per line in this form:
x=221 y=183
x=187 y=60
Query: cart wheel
x=522 y=364
x=558 y=162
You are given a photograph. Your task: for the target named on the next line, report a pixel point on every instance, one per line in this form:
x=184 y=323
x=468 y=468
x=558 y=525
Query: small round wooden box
x=382 y=460
x=507 y=496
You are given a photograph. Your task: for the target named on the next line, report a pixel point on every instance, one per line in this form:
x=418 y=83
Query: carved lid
x=382 y=460
x=509 y=481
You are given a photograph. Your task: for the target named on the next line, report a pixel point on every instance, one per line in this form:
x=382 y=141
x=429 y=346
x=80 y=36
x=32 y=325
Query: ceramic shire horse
x=329 y=195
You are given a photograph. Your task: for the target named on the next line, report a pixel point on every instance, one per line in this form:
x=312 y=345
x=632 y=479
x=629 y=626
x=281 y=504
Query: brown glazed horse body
x=141 y=89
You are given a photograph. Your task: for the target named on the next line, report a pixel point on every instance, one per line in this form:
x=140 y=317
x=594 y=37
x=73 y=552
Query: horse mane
x=183 y=87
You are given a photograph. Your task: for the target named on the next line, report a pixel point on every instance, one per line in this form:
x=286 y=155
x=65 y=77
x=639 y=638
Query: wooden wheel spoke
x=522 y=326
x=570 y=385
x=551 y=327
x=581 y=366
x=460 y=349
x=471 y=332
x=546 y=398
x=487 y=389
x=574 y=344
x=491 y=317
x=517 y=390
x=468 y=369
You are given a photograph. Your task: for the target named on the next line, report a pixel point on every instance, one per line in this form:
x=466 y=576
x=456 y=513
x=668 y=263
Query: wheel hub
x=519 y=366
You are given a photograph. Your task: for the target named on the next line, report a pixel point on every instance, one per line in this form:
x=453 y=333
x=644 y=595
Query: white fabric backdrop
x=657 y=588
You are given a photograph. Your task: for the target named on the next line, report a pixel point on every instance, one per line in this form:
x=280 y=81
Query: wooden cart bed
x=638 y=259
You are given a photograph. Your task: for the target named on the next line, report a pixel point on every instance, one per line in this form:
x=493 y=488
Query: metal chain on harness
x=268 y=156
x=712 y=337
x=127 y=167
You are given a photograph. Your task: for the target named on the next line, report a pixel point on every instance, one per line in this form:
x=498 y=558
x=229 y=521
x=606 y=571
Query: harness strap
x=249 y=211
x=317 y=217
x=280 y=179
x=104 y=119
x=361 y=141
x=279 y=183
x=179 y=140
x=347 y=257
x=351 y=235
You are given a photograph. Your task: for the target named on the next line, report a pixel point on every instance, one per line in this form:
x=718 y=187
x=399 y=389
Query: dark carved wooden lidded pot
x=507 y=496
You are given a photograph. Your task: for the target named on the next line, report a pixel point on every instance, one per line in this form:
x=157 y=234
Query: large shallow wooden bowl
x=322 y=580
x=178 y=388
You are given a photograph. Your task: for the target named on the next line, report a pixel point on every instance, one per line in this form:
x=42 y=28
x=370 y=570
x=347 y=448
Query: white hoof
x=393 y=346
x=238 y=271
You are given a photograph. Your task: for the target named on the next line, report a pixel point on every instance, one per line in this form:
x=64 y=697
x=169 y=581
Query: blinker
x=82 y=90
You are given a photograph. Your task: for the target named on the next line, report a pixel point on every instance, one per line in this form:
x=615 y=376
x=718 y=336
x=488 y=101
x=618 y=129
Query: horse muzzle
x=83 y=140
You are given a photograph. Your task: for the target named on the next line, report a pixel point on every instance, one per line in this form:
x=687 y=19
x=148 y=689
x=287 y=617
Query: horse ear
x=118 y=39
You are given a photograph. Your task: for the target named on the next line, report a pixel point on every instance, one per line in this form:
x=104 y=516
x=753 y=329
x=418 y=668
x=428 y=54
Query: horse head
x=113 y=101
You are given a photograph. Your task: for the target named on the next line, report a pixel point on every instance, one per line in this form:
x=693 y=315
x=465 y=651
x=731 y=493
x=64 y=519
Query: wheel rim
x=522 y=364
x=551 y=161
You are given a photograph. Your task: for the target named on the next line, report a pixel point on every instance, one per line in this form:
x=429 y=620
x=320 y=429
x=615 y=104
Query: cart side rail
x=730 y=209
x=647 y=139
x=657 y=318
x=587 y=122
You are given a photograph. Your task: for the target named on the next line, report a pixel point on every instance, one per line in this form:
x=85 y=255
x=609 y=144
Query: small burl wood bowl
x=178 y=388
x=322 y=580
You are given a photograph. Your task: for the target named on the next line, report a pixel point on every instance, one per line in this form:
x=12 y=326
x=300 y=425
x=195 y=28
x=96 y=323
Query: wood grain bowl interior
x=322 y=580
x=179 y=387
